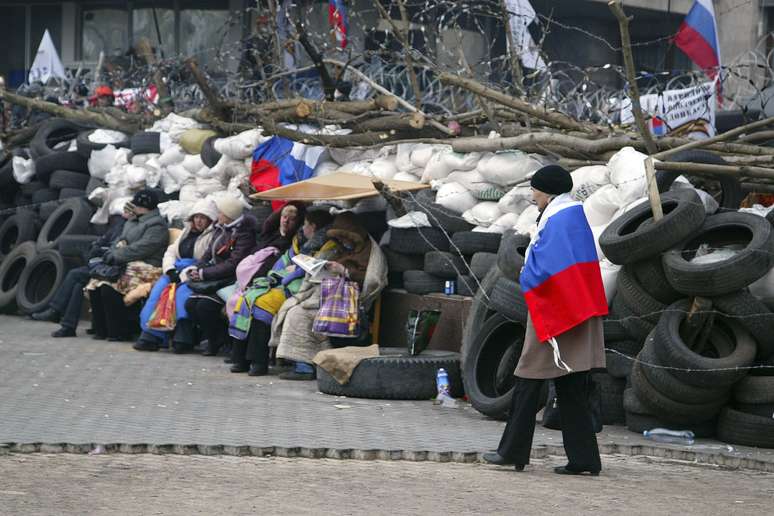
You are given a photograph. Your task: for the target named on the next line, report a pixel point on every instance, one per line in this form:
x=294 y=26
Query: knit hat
x=552 y=179
x=146 y=198
x=230 y=207
x=204 y=207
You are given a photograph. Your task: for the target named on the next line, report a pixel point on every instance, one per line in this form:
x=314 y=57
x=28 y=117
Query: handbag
x=209 y=287
x=164 y=315
x=552 y=418
x=105 y=272
x=338 y=313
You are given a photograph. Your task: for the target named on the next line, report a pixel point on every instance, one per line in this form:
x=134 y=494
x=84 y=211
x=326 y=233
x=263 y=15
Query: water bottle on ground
x=662 y=435
x=442 y=386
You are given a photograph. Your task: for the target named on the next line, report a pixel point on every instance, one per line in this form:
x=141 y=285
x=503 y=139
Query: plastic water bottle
x=442 y=383
x=663 y=435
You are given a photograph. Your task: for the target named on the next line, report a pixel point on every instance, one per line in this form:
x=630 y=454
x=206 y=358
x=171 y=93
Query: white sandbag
x=596 y=232
x=174 y=126
x=383 y=168
x=403 y=156
x=602 y=205
x=100 y=161
x=206 y=186
x=472 y=180
x=141 y=159
x=609 y=272
x=482 y=214
x=518 y=199
x=117 y=205
x=189 y=193
x=405 y=176
x=361 y=168
x=455 y=197
x=628 y=207
x=436 y=167
x=136 y=177
x=709 y=202
x=325 y=168
x=527 y=223
x=106 y=136
x=179 y=174
x=627 y=174
x=507 y=168
x=117 y=176
x=174 y=210
x=504 y=222
x=412 y=219
x=421 y=155
x=461 y=161
x=168 y=183
x=480 y=229
x=23 y=169
x=173 y=155
x=152 y=177
x=192 y=163
x=587 y=180
x=239 y=146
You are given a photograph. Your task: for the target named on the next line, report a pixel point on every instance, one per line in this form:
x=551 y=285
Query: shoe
x=144 y=345
x=240 y=368
x=64 y=331
x=258 y=370
x=498 y=460
x=294 y=375
x=180 y=348
x=228 y=360
x=566 y=470
x=49 y=315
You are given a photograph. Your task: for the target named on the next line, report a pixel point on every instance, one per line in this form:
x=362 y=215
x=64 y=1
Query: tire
x=31 y=188
x=399 y=262
x=746 y=429
x=640 y=422
x=75 y=246
x=466 y=286
x=395 y=280
x=395 y=375
x=59 y=160
x=633 y=404
x=209 y=155
x=45 y=195
x=439 y=217
x=753 y=315
x=612 y=390
x=472 y=242
x=146 y=142
x=618 y=366
x=93 y=184
x=17 y=229
x=420 y=282
x=761 y=409
x=47 y=209
x=11 y=270
x=671 y=350
x=634 y=296
x=755 y=390
x=613 y=329
x=85 y=146
x=490 y=357
x=651 y=277
x=71 y=193
x=52 y=132
x=65 y=179
x=418 y=240
x=634 y=236
x=763 y=368
x=667 y=408
x=444 y=265
x=479 y=311
x=481 y=264
x=731 y=197
x=6 y=174
x=634 y=325
x=726 y=276
x=71 y=218
x=510 y=255
x=628 y=347
x=40 y=280
x=506 y=299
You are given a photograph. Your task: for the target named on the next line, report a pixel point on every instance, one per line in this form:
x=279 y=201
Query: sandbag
x=587 y=180
x=101 y=161
x=455 y=197
x=482 y=214
x=602 y=205
x=403 y=156
x=23 y=169
x=507 y=168
x=609 y=272
x=239 y=146
x=192 y=140
x=421 y=155
x=518 y=199
x=527 y=223
x=325 y=168
x=173 y=155
x=503 y=223
x=383 y=168
x=437 y=167
x=405 y=176
x=192 y=163
x=627 y=174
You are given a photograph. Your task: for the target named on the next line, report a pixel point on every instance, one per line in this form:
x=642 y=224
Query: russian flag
x=561 y=279
x=698 y=37
x=338 y=19
x=657 y=126
x=280 y=161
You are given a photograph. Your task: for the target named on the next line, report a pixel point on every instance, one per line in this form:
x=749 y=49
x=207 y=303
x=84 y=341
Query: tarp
x=340 y=186
x=47 y=64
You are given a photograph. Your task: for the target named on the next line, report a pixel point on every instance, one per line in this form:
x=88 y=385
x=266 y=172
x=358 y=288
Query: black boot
x=64 y=331
x=258 y=369
x=48 y=315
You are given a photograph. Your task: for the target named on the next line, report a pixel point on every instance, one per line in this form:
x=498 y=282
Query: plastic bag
x=23 y=169
x=338 y=313
x=164 y=316
x=412 y=219
x=420 y=328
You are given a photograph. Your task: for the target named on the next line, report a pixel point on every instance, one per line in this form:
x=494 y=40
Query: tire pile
x=422 y=260
x=692 y=377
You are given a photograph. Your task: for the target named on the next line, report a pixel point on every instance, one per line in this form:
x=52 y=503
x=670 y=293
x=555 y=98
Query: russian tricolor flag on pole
x=561 y=280
x=338 y=19
x=698 y=37
x=279 y=161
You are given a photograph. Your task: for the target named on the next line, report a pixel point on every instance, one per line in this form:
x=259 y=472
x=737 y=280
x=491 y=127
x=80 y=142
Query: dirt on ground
x=64 y=484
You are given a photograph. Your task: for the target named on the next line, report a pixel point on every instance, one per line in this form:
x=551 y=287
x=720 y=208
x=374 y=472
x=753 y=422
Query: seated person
x=189 y=248
x=250 y=326
x=358 y=258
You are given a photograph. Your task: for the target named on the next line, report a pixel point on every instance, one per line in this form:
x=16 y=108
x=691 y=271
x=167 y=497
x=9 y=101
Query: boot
x=48 y=315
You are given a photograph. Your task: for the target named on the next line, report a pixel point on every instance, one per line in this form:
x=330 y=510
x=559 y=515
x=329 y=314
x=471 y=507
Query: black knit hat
x=146 y=198
x=552 y=179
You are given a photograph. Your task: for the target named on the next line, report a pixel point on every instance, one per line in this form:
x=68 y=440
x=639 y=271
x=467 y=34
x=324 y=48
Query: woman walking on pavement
x=563 y=289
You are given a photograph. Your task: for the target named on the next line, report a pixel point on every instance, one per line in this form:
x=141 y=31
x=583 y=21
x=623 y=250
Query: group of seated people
x=237 y=287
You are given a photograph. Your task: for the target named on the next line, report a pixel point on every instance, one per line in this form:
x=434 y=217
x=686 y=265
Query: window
x=203 y=34
x=144 y=25
x=12 y=41
x=104 y=30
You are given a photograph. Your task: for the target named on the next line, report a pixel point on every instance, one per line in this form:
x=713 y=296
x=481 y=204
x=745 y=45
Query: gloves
x=108 y=258
x=173 y=275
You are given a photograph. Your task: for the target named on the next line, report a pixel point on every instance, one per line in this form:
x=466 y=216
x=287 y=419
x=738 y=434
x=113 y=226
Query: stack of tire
x=679 y=379
x=423 y=259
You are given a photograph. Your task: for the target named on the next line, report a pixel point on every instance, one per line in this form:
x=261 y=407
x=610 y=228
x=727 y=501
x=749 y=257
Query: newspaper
x=314 y=267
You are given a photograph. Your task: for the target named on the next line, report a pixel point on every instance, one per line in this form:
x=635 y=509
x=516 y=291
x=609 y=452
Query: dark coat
x=230 y=244
x=144 y=239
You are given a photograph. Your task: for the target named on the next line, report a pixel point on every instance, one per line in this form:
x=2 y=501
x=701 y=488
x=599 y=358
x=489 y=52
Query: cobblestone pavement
x=82 y=391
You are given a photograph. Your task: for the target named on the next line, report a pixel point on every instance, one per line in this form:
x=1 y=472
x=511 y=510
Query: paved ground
x=148 y=484
x=81 y=391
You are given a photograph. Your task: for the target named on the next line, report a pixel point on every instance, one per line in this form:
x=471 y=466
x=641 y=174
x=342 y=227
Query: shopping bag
x=164 y=316
x=338 y=313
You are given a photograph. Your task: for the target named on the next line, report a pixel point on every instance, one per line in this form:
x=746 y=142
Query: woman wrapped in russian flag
x=564 y=340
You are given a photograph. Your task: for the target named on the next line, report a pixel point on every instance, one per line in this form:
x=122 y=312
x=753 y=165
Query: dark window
x=103 y=29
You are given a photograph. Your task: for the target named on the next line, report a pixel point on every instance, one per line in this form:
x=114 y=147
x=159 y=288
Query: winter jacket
x=230 y=245
x=144 y=238
x=202 y=245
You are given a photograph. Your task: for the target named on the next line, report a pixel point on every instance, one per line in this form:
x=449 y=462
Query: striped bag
x=338 y=314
